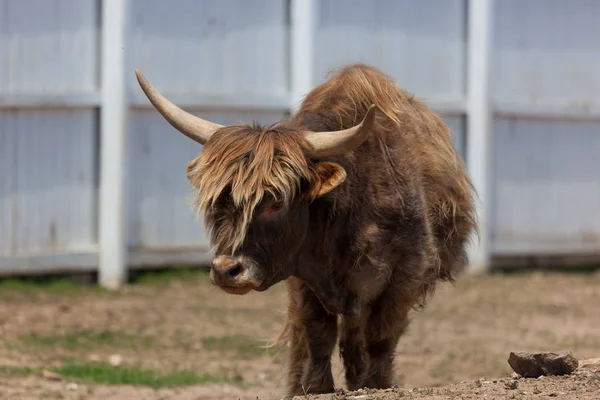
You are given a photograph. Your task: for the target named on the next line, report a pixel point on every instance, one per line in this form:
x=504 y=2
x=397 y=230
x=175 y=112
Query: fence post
x=302 y=49
x=113 y=127
x=479 y=118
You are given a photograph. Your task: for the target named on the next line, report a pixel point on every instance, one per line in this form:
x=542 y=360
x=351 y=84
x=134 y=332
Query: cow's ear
x=328 y=176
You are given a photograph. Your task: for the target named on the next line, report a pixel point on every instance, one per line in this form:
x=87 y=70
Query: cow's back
x=418 y=146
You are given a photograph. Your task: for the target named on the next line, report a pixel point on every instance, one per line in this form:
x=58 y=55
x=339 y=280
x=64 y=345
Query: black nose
x=233 y=270
x=226 y=271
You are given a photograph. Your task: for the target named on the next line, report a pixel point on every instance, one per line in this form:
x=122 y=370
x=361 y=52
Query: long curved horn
x=339 y=142
x=191 y=126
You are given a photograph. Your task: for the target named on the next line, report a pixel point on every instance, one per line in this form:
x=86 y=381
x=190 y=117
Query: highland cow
x=359 y=202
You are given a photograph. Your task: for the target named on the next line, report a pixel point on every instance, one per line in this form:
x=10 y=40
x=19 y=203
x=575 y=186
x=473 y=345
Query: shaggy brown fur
x=248 y=161
x=366 y=234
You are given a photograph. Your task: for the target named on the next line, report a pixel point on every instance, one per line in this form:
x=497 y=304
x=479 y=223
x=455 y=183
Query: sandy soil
x=583 y=384
x=457 y=348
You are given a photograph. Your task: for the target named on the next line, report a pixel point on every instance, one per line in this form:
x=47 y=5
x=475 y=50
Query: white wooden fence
x=92 y=177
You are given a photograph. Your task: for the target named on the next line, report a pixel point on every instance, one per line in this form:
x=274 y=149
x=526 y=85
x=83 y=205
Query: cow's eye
x=278 y=205
x=273 y=208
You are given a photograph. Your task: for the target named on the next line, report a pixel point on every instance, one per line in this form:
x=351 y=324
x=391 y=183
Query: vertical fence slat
x=302 y=49
x=479 y=122
x=113 y=254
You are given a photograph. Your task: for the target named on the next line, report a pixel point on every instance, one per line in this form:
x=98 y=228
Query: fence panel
x=421 y=44
x=48 y=46
x=214 y=47
x=547 y=187
x=547 y=51
x=48 y=185
x=546 y=170
x=49 y=181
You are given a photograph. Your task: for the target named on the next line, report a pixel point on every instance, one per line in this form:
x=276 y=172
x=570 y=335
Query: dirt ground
x=457 y=348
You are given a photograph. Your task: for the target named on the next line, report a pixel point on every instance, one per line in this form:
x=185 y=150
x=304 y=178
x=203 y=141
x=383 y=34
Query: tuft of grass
x=243 y=346
x=122 y=375
x=36 y=288
x=86 y=340
x=130 y=375
x=57 y=285
x=8 y=371
x=305 y=392
x=166 y=276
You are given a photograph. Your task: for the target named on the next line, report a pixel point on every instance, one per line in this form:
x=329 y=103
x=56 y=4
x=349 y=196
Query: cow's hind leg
x=313 y=336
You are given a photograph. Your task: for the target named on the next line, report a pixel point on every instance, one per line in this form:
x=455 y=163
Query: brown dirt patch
x=583 y=385
x=465 y=333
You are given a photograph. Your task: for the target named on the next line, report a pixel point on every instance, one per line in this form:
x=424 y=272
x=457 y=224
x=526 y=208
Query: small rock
x=72 y=386
x=511 y=385
x=532 y=365
x=115 y=360
x=340 y=394
x=52 y=376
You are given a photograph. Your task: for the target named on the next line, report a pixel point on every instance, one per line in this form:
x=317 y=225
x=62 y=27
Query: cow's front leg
x=335 y=298
x=313 y=334
x=352 y=351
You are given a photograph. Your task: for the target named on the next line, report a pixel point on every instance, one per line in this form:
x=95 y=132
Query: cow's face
x=273 y=236
x=254 y=190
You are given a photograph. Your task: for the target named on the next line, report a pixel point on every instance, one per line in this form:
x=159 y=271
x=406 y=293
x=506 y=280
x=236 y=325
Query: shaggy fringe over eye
x=250 y=161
